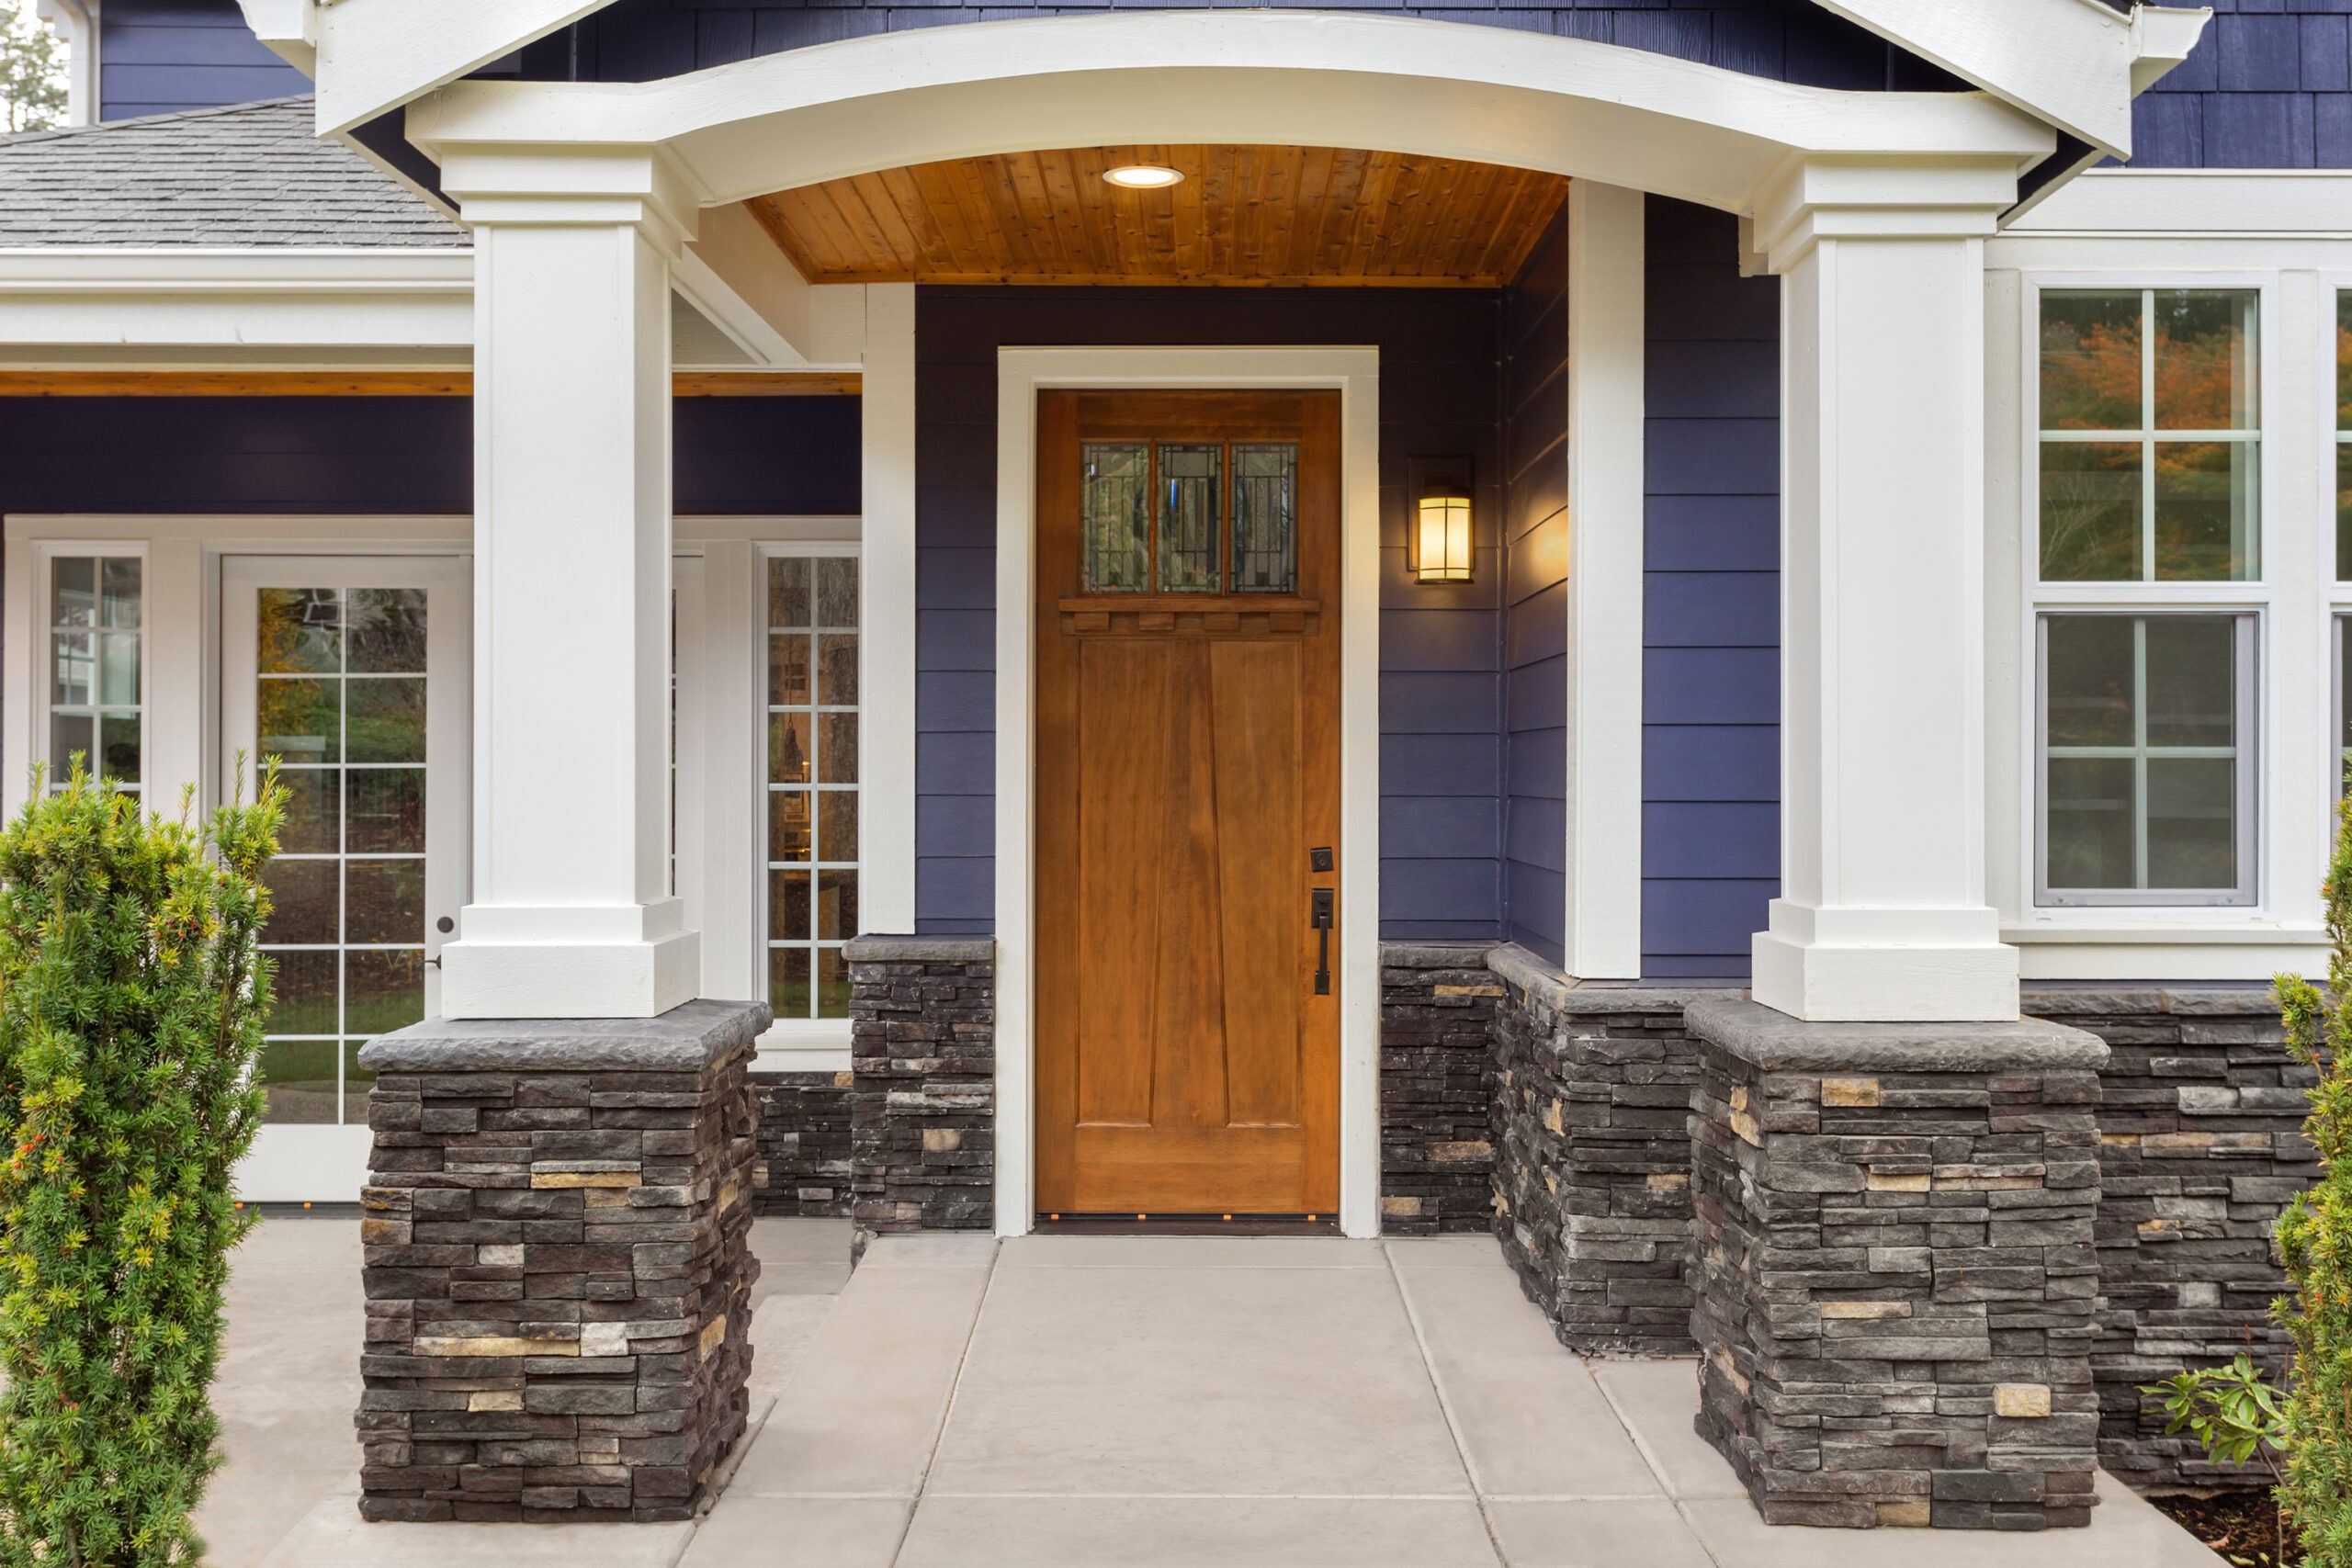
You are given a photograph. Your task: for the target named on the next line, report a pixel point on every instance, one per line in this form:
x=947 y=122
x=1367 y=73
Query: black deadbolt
x=444 y=925
x=1320 y=859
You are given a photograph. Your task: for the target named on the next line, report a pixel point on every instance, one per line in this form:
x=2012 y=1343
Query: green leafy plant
x=131 y=1001
x=2315 y=1236
x=2233 y=1411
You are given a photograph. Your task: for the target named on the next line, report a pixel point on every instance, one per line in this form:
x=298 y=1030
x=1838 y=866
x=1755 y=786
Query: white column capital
x=576 y=186
x=1878 y=196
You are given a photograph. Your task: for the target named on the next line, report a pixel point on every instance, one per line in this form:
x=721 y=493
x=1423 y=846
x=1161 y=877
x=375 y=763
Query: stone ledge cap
x=921 y=950
x=2251 y=1000
x=1435 y=954
x=1563 y=992
x=1771 y=1039
x=686 y=1039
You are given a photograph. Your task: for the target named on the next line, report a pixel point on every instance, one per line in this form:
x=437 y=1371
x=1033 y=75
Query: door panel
x=1187 y=766
x=352 y=672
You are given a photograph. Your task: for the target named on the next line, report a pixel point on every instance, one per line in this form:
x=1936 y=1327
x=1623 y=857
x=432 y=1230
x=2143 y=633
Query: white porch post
x=571 y=914
x=1883 y=911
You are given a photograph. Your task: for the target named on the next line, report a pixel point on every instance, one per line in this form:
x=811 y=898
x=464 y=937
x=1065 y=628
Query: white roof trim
x=369 y=56
x=1564 y=104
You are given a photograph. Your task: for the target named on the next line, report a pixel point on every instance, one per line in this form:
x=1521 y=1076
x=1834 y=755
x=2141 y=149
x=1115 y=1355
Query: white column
x=571 y=914
x=886 y=807
x=1883 y=911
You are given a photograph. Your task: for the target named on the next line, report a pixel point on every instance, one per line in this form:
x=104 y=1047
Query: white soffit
x=2077 y=63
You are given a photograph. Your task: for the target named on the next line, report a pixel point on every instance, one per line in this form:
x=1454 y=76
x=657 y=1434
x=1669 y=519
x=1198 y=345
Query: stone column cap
x=1775 y=1042
x=686 y=1039
x=921 y=950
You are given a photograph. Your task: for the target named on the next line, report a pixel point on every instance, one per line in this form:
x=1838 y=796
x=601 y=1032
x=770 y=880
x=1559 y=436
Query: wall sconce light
x=1440 y=546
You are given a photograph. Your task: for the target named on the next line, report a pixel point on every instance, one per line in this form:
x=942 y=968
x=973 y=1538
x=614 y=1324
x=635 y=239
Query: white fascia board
x=262 y=297
x=2067 y=62
x=285 y=28
x=1563 y=104
x=2217 y=203
x=377 y=54
x=735 y=274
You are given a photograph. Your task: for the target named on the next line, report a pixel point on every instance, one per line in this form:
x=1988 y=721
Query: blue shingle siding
x=1442 y=743
x=1711 y=614
x=158 y=55
x=384 y=455
x=2268 y=86
x=1794 y=41
x=1535 y=541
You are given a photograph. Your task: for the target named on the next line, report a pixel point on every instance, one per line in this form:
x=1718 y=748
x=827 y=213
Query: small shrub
x=2232 y=1411
x=131 y=1001
x=2315 y=1235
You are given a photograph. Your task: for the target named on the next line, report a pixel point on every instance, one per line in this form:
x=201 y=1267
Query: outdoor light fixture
x=1441 y=548
x=1144 y=176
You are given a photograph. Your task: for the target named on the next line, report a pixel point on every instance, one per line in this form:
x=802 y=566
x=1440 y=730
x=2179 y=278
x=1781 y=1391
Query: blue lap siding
x=1710 y=852
x=158 y=55
x=1440 y=687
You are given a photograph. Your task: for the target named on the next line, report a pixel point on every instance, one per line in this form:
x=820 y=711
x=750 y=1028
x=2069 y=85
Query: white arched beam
x=1394 y=83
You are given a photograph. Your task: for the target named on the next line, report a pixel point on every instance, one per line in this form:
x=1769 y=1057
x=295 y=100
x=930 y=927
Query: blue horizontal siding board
x=952 y=515
x=962 y=826
x=956 y=639
x=1711 y=685
x=951 y=763
x=1718 y=457
x=1712 y=916
x=955 y=699
x=1416 y=702
x=1439 y=640
x=1447 y=828
x=1713 y=533
x=123 y=88
x=1711 y=761
x=179 y=45
x=1537 y=628
x=1535 y=831
x=1440 y=764
x=1536 y=770
x=1535 y=697
x=953 y=889
x=956 y=578
x=1711 y=609
x=1441 y=890
x=1724 y=966
x=1715 y=379
x=1686 y=35
x=1699 y=840
x=1754 y=44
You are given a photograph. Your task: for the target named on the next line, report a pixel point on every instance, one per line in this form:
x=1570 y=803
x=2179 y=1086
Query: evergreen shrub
x=131 y=1001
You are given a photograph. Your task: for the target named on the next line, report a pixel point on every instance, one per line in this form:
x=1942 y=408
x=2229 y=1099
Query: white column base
x=1885 y=966
x=637 y=961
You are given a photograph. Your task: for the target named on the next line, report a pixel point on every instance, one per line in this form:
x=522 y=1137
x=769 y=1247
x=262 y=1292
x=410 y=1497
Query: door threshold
x=1067 y=1223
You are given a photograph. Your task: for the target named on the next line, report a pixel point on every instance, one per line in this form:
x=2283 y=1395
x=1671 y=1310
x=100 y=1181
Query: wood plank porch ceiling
x=1260 y=216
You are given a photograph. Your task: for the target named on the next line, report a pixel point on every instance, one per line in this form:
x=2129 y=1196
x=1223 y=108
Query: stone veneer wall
x=922 y=1085
x=1591 y=1114
x=2200 y=1146
x=1437 y=1018
x=556 y=1232
x=1894 y=1270
x=804 y=1168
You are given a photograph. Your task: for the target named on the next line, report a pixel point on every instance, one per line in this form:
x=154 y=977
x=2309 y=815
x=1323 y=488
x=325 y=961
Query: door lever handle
x=1320 y=917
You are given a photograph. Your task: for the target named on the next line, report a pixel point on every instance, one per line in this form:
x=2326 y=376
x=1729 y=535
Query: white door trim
x=1354 y=372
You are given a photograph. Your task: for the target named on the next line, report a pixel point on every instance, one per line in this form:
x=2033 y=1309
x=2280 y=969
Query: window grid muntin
x=97 y=710
x=2149 y=436
x=816 y=789
x=343 y=1038
x=2243 y=752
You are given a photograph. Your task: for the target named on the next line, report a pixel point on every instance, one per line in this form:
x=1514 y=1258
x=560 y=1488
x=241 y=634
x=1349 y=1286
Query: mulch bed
x=2240 y=1527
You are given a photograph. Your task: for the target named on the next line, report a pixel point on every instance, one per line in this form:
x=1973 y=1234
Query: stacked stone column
x=558 y=1266
x=1437 y=1018
x=1896 y=1267
x=922 y=1095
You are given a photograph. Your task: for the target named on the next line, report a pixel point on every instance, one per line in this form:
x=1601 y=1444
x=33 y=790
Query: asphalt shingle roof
x=249 y=174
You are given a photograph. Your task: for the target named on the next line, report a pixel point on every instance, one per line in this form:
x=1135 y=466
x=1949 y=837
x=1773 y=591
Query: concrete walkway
x=1062 y=1401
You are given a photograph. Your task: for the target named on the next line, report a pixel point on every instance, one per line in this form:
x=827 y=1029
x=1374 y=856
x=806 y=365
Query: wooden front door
x=1187 y=691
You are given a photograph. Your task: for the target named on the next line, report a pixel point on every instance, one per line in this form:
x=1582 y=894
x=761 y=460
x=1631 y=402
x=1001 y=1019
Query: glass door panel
x=350 y=673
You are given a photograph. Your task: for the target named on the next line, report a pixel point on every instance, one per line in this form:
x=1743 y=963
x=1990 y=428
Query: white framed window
x=2146 y=762
x=809 y=776
x=2340 y=682
x=2148 y=595
x=94 y=666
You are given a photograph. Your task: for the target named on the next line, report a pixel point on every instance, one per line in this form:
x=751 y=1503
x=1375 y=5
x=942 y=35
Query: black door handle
x=1319 y=915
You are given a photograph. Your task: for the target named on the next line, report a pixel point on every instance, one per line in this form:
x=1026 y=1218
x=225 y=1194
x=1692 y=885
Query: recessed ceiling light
x=1143 y=176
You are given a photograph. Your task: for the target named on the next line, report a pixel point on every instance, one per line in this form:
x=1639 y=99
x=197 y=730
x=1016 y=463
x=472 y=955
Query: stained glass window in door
x=1187 y=497
x=1115 y=499
x=1265 y=518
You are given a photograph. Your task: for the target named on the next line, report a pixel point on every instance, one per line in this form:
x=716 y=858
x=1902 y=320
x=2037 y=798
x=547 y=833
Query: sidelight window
x=812 y=778
x=95 y=700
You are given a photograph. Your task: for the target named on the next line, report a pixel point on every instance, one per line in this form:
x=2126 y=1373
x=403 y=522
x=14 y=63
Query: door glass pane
x=1188 y=525
x=2344 y=510
x=832 y=982
x=1265 y=518
x=837 y=825
x=340 y=700
x=93 y=667
x=2090 y=361
x=2090 y=511
x=1115 y=517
